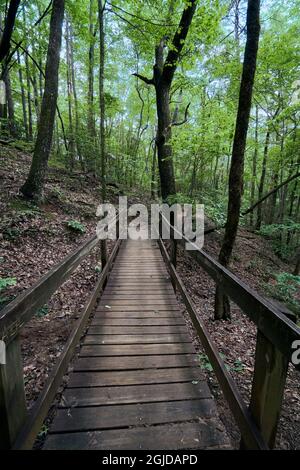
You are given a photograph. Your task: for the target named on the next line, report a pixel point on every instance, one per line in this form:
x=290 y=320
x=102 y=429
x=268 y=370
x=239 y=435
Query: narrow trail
x=136 y=383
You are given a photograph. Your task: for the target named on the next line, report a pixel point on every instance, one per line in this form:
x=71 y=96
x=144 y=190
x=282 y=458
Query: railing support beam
x=12 y=395
x=268 y=384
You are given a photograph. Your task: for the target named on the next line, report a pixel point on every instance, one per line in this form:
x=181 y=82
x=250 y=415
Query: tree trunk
x=153 y=173
x=91 y=130
x=262 y=180
x=10 y=106
x=163 y=74
x=77 y=126
x=254 y=165
x=8 y=28
x=33 y=187
x=72 y=150
x=236 y=175
x=25 y=123
x=296 y=271
x=101 y=7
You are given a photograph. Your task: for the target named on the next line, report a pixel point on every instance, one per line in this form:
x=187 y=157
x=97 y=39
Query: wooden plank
x=144 y=272
x=139 y=276
x=146 y=302
x=141 y=298
x=135 y=330
x=132 y=288
x=155 y=309
x=12 y=395
x=135 y=362
x=109 y=321
x=149 y=393
x=136 y=339
x=135 y=377
x=138 y=314
x=138 y=295
x=119 y=282
x=109 y=417
x=268 y=384
x=136 y=349
x=205 y=434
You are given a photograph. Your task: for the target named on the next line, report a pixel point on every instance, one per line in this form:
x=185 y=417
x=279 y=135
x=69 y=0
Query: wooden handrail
x=18 y=312
x=33 y=424
x=270 y=321
x=250 y=432
x=13 y=411
x=274 y=348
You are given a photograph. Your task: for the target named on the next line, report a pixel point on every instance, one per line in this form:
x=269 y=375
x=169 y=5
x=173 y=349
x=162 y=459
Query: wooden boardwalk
x=136 y=382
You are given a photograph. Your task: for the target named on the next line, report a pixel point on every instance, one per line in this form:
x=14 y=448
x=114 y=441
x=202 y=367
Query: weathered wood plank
x=112 y=321
x=135 y=377
x=136 y=339
x=109 y=417
x=156 y=309
x=135 y=330
x=202 y=435
x=134 y=394
x=145 y=302
x=148 y=313
x=140 y=296
x=136 y=349
x=135 y=362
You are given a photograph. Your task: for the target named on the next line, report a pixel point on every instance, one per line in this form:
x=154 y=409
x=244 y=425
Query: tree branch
x=185 y=117
x=291 y=178
x=144 y=79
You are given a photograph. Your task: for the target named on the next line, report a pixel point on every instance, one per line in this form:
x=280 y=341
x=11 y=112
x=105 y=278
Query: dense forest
x=180 y=101
x=105 y=88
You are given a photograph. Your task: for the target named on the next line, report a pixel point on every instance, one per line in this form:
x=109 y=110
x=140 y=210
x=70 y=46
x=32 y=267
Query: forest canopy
x=202 y=100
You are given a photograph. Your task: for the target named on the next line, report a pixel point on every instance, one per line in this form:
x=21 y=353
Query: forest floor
x=34 y=239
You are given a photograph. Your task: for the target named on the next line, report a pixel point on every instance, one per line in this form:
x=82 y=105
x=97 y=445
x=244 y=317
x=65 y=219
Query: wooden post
x=268 y=384
x=12 y=395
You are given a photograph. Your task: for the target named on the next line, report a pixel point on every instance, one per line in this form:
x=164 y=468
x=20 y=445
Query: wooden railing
x=274 y=348
x=17 y=429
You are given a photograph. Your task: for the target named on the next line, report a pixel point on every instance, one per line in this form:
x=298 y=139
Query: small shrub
x=285 y=287
x=42 y=312
x=7 y=281
x=76 y=226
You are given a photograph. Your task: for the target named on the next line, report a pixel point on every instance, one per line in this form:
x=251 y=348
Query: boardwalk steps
x=136 y=383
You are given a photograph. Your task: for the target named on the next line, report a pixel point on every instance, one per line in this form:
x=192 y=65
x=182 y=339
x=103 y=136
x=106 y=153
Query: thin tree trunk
x=236 y=176
x=262 y=180
x=33 y=187
x=254 y=164
x=10 y=106
x=8 y=28
x=102 y=119
x=72 y=149
x=153 y=173
x=25 y=123
x=77 y=136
